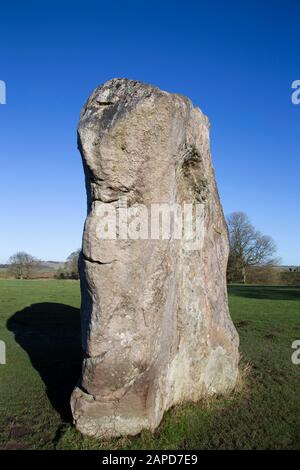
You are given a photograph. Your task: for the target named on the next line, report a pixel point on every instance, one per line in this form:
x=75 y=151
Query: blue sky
x=235 y=60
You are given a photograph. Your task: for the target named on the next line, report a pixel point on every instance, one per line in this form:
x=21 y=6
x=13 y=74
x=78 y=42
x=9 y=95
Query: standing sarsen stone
x=156 y=329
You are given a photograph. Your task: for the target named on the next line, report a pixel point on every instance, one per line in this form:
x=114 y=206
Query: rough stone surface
x=155 y=323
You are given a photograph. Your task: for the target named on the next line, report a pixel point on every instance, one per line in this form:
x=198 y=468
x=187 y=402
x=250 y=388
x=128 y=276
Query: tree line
x=252 y=257
x=22 y=265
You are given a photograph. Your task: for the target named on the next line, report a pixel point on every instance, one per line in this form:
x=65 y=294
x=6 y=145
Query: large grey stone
x=155 y=323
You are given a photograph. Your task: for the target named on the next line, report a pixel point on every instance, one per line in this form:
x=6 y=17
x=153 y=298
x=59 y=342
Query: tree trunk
x=244 y=274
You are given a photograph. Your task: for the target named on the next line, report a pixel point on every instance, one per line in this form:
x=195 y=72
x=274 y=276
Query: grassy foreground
x=39 y=322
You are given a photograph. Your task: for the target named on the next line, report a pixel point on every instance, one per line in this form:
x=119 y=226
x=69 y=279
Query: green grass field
x=39 y=322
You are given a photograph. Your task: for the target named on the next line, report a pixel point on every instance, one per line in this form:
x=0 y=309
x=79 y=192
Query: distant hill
x=44 y=270
x=290 y=268
x=52 y=265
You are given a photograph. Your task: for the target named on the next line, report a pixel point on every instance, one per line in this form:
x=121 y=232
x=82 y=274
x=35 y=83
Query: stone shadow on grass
x=50 y=334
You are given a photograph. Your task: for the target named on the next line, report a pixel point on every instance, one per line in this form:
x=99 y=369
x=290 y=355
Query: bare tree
x=22 y=264
x=248 y=247
x=71 y=265
x=70 y=269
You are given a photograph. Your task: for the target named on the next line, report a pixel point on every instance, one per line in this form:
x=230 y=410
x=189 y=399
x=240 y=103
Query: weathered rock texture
x=155 y=322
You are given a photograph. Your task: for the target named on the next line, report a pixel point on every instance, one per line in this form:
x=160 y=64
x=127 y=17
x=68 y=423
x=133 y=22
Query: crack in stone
x=105 y=103
x=90 y=260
